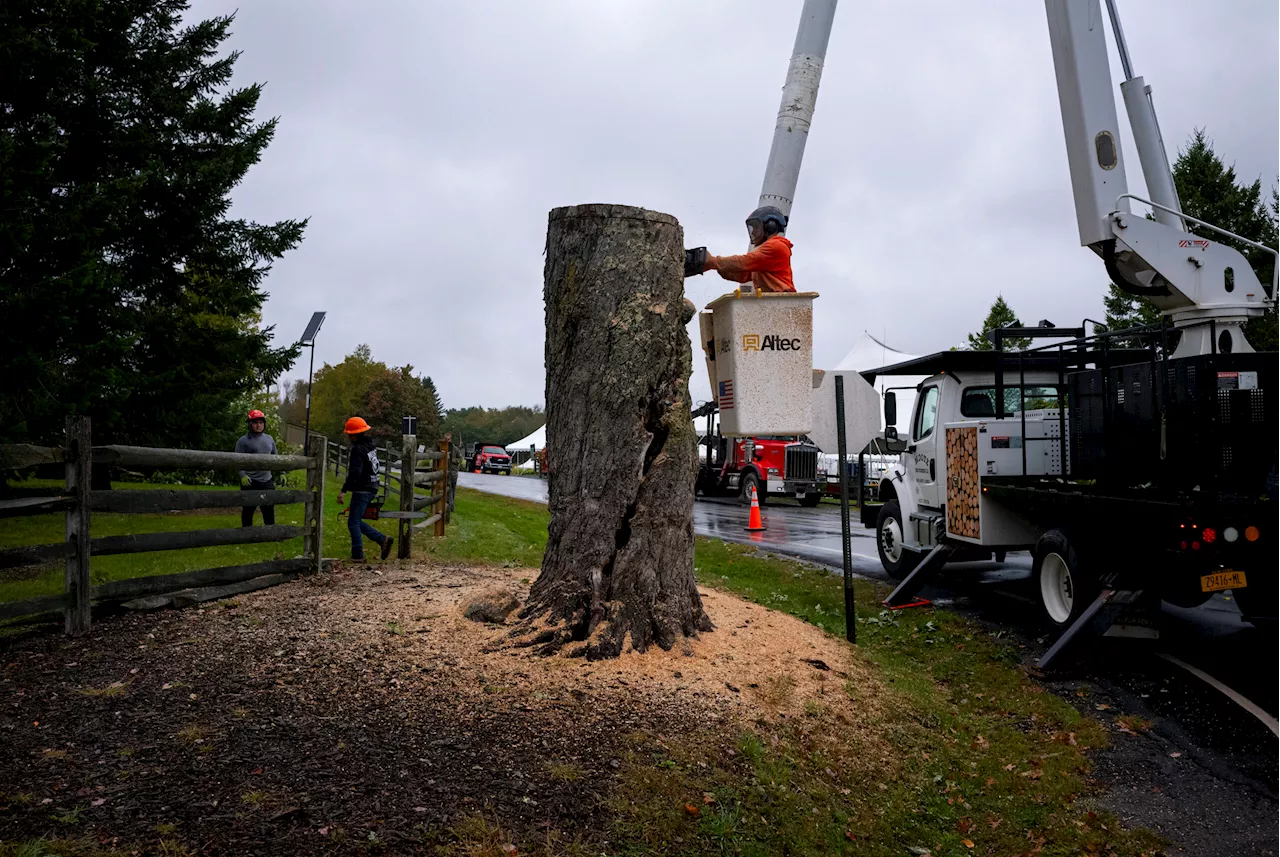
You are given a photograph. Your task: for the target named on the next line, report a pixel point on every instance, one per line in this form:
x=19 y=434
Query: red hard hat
x=356 y=425
x=256 y=414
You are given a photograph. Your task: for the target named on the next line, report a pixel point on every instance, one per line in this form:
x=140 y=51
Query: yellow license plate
x=1223 y=580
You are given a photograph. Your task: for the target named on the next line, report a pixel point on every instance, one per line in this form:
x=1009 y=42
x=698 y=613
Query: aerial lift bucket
x=759 y=350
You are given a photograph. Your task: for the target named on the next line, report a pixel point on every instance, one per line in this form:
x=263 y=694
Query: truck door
x=923 y=452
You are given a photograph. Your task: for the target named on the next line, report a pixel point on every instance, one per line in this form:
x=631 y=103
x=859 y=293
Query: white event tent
x=870 y=353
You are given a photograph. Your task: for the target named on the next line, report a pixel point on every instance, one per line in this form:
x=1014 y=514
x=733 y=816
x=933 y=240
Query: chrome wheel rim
x=891 y=540
x=1057 y=589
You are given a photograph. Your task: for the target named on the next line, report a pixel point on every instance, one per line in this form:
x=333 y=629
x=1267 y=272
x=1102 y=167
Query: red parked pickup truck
x=491 y=458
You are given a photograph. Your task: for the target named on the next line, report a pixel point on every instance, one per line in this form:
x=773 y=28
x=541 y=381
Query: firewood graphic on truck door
x=962 y=482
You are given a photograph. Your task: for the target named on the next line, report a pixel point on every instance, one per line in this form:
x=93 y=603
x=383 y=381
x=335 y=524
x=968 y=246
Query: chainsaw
x=371 y=512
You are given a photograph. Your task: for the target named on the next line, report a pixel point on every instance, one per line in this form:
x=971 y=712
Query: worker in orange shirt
x=767 y=266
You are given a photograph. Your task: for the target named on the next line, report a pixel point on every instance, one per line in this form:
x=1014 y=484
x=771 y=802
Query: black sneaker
x=386 y=547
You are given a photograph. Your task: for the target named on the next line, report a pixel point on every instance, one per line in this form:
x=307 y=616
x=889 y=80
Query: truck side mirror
x=890 y=433
x=890 y=408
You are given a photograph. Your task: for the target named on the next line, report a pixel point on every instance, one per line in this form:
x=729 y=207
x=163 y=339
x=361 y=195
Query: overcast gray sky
x=427 y=141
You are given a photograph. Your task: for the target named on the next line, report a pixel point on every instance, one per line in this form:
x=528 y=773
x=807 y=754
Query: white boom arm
x=799 y=97
x=1190 y=279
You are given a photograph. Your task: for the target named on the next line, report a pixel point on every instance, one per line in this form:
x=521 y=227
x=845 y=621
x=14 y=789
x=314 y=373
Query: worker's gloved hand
x=695 y=261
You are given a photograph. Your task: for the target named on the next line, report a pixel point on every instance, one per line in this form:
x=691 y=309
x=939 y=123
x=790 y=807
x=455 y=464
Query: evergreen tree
x=433 y=395
x=1000 y=315
x=127 y=292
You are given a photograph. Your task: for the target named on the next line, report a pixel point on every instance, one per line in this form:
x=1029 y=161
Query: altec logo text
x=769 y=342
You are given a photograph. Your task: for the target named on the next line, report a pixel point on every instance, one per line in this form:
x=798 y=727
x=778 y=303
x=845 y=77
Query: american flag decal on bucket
x=726 y=395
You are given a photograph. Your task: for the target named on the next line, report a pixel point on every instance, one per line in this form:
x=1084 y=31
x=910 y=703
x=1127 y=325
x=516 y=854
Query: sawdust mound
x=758 y=663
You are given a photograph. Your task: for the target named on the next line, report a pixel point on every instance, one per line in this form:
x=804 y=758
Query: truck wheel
x=1064 y=589
x=811 y=499
x=744 y=489
x=898 y=560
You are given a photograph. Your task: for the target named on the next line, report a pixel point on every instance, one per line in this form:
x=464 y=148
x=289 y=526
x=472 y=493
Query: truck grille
x=801 y=463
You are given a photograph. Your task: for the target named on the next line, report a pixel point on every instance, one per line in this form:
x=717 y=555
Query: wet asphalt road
x=1204 y=775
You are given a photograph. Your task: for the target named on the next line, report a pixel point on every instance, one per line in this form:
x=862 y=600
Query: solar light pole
x=309 y=339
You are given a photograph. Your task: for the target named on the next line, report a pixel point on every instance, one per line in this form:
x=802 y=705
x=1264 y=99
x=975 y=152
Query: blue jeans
x=356 y=523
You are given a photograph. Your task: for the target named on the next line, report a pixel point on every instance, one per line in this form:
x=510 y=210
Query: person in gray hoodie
x=257 y=442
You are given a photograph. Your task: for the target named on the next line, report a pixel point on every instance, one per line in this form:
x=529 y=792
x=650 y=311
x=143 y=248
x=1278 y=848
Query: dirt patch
x=361 y=707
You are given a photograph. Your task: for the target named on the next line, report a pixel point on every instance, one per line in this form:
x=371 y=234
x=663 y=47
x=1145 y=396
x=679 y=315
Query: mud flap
x=920 y=575
x=1113 y=608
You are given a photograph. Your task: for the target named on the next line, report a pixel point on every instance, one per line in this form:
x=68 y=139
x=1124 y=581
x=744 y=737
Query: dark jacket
x=365 y=471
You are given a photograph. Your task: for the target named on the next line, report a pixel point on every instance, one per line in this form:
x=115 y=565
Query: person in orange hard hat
x=256 y=441
x=363 y=479
x=767 y=266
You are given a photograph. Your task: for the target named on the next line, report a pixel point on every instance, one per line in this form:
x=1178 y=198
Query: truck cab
x=913 y=490
x=773 y=465
x=491 y=458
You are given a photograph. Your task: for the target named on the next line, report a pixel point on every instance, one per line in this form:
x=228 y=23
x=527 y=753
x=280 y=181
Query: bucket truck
x=1136 y=465
x=759 y=346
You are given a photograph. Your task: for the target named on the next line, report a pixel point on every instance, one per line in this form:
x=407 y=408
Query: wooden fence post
x=443 y=485
x=408 y=476
x=451 y=476
x=79 y=461
x=313 y=509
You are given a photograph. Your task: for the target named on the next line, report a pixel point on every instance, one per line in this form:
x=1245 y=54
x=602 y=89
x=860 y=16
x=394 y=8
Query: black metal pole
x=850 y=612
x=306 y=444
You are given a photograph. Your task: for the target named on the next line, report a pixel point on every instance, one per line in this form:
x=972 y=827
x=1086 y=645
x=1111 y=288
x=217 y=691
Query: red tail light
x=1210 y=535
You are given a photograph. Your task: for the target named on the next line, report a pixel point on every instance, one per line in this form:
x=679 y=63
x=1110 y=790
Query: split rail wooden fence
x=78 y=501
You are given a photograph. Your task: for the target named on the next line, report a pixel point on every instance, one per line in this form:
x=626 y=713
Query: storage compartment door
x=963 y=506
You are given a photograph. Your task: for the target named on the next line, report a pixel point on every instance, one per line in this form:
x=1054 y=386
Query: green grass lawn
x=17 y=584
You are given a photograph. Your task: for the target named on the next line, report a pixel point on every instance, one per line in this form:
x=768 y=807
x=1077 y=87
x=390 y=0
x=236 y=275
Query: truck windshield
x=494 y=450
x=981 y=401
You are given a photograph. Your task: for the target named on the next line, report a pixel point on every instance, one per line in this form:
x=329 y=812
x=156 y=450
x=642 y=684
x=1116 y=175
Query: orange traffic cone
x=754 y=524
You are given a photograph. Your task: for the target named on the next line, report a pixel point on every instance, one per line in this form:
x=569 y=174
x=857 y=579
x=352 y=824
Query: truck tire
x=744 y=489
x=898 y=560
x=810 y=500
x=1063 y=587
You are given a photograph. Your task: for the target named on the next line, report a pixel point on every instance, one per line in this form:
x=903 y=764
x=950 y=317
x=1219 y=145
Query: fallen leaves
x=692 y=810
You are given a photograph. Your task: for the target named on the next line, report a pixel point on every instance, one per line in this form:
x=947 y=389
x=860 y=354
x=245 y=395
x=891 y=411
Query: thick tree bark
x=620 y=443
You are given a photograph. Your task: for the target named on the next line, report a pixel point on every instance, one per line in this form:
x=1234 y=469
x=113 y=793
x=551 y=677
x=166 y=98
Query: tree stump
x=621 y=448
